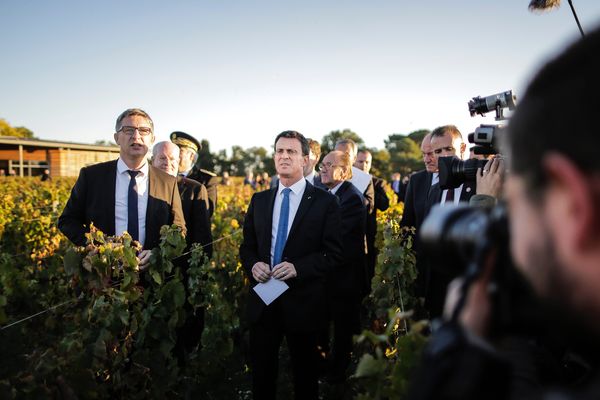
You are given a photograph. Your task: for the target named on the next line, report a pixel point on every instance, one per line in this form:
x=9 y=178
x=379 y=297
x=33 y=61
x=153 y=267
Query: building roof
x=55 y=144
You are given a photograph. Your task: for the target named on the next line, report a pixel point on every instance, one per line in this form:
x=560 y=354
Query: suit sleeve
x=369 y=195
x=382 y=202
x=353 y=213
x=248 y=249
x=72 y=220
x=319 y=264
x=176 y=209
x=211 y=188
x=408 y=215
x=200 y=226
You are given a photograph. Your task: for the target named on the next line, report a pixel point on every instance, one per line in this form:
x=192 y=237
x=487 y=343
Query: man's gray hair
x=352 y=144
x=130 y=112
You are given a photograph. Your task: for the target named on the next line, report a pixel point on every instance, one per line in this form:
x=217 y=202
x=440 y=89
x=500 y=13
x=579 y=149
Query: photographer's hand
x=491 y=179
x=476 y=314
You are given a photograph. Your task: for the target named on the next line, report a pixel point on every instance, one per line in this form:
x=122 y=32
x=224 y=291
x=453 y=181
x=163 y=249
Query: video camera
x=460 y=240
x=453 y=171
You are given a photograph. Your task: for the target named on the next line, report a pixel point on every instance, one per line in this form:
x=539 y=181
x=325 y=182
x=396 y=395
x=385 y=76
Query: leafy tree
x=405 y=154
x=222 y=162
x=206 y=159
x=417 y=136
x=381 y=163
x=19 y=131
x=328 y=141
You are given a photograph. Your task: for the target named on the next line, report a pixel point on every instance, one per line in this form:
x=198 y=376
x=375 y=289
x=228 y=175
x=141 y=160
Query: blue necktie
x=132 y=207
x=282 y=227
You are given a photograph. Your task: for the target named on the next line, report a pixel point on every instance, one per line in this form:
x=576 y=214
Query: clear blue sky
x=239 y=72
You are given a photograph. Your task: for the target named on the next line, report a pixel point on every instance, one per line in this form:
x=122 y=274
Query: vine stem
x=401 y=302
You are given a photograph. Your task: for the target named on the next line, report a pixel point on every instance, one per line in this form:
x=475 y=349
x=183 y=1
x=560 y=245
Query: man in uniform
x=189 y=148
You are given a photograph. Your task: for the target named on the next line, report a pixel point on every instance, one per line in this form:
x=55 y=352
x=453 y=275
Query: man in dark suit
x=310 y=172
x=417 y=204
x=349 y=280
x=194 y=202
x=194 y=197
x=446 y=141
x=291 y=237
x=364 y=160
x=188 y=157
x=126 y=194
x=368 y=192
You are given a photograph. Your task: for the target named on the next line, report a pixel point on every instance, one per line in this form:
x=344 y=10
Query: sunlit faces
x=134 y=147
x=166 y=158
x=428 y=155
x=447 y=145
x=332 y=172
x=289 y=161
x=312 y=162
x=363 y=161
x=186 y=159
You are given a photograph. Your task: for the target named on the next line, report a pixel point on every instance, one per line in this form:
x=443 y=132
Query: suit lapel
x=110 y=202
x=307 y=199
x=342 y=189
x=467 y=191
x=151 y=206
x=269 y=222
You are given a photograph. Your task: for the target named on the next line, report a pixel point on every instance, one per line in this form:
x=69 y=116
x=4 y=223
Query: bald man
x=194 y=197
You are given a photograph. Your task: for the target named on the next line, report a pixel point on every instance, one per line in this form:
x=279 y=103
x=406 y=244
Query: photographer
x=553 y=197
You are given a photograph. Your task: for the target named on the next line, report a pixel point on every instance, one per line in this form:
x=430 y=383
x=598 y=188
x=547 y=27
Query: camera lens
x=454 y=172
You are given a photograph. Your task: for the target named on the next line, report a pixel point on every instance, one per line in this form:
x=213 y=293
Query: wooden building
x=30 y=157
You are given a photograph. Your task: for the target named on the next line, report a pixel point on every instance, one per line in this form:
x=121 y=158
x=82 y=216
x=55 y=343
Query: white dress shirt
x=121 y=196
x=295 y=198
x=457 y=193
x=336 y=187
x=311 y=177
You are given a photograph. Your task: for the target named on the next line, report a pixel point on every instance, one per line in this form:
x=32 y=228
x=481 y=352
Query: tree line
x=401 y=152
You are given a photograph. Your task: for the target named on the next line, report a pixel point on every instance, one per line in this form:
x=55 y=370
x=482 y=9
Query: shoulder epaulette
x=208 y=172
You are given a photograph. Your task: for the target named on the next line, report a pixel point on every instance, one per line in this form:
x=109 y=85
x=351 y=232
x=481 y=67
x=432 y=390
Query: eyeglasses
x=327 y=165
x=130 y=130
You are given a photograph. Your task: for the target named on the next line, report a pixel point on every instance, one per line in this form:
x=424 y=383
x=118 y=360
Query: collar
x=297 y=187
x=435 y=178
x=334 y=189
x=123 y=168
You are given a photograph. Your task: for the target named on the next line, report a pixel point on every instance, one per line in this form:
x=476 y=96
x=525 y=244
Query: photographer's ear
x=570 y=200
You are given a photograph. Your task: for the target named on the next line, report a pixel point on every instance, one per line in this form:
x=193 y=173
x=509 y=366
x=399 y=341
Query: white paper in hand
x=270 y=290
x=360 y=179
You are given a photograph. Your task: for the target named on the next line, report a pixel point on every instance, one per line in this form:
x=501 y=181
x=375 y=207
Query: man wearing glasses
x=118 y=196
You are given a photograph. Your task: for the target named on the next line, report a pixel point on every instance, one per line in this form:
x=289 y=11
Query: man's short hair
x=558 y=113
x=130 y=112
x=315 y=147
x=365 y=151
x=294 y=135
x=451 y=130
x=352 y=144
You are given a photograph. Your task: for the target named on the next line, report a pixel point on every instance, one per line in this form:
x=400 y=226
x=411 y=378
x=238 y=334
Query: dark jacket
x=93 y=200
x=195 y=205
x=350 y=277
x=210 y=181
x=313 y=245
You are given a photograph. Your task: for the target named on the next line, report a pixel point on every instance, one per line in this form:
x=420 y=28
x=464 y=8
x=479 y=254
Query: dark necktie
x=132 y=207
x=282 y=227
x=449 y=196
